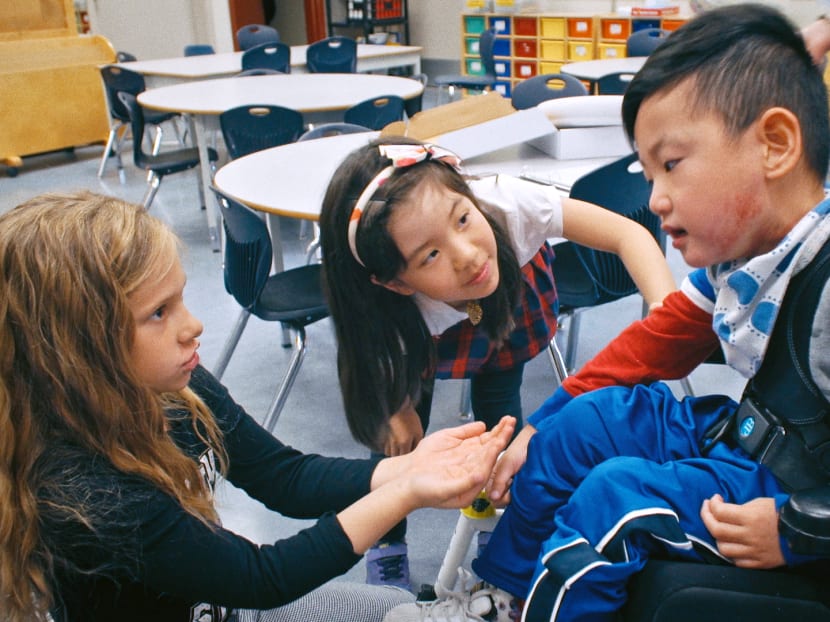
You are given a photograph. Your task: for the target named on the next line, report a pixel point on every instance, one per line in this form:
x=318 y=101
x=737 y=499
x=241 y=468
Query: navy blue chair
x=645 y=41
x=533 y=91
x=614 y=83
x=293 y=297
x=483 y=82
x=198 y=49
x=256 y=34
x=332 y=55
x=163 y=163
x=376 y=112
x=252 y=128
x=276 y=56
x=116 y=80
x=586 y=277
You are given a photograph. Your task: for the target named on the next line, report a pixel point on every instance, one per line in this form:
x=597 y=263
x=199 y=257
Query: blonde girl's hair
x=68 y=266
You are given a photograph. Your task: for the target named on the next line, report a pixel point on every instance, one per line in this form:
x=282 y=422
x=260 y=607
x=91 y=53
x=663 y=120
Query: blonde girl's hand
x=746 y=533
x=405 y=432
x=450 y=467
x=498 y=486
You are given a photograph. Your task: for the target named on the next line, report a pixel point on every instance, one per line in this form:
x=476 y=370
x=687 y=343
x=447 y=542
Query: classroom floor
x=312 y=419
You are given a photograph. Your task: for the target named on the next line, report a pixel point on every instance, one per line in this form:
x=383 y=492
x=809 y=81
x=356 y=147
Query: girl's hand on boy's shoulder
x=746 y=533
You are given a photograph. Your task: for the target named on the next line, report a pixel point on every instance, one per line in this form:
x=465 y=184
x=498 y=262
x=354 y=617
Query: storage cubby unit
x=527 y=45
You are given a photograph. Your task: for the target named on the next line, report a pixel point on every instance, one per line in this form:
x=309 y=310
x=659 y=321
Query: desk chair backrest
x=586 y=277
x=256 y=34
x=252 y=128
x=332 y=55
x=331 y=129
x=620 y=187
x=614 y=83
x=198 y=49
x=276 y=56
x=248 y=253
x=117 y=80
x=376 y=112
x=645 y=41
x=486 y=45
x=533 y=91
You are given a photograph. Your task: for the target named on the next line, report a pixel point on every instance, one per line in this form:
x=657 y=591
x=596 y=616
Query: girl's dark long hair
x=384 y=347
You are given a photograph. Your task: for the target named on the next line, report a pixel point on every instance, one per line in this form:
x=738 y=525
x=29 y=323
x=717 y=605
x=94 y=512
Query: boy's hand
x=747 y=534
x=498 y=488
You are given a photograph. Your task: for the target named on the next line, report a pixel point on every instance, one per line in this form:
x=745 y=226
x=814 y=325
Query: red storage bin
x=524 y=48
x=387 y=9
x=524 y=26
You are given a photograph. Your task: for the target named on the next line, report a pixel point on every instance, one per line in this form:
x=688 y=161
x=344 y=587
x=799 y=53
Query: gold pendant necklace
x=474 y=312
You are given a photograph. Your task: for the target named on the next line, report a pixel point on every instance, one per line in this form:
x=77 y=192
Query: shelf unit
x=367 y=16
x=531 y=44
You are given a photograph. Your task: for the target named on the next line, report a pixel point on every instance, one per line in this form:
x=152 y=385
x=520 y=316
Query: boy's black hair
x=743 y=59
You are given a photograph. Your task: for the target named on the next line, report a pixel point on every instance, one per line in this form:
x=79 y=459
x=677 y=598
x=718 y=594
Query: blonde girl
x=112 y=436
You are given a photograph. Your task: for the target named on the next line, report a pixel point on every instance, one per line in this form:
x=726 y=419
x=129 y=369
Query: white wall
x=161 y=28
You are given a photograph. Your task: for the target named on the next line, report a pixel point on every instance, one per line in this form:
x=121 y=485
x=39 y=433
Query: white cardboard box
x=574 y=143
x=512 y=129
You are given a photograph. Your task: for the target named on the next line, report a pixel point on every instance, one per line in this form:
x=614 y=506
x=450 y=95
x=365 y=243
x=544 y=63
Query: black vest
x=784 y=419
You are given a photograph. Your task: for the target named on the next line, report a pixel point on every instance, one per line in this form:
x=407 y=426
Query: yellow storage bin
x=552 y=50
x=611 y=50
x=552 y=27
x=580 y=50
x=547 y=67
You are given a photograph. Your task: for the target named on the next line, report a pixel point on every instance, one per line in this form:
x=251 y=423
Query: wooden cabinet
x=51 y=95
x=531 y=44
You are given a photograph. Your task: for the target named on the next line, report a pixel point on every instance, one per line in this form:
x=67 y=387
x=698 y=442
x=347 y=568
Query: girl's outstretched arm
x=601 y=229
x=447 y=470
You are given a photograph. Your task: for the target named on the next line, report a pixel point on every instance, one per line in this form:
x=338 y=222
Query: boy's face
x=707 y=186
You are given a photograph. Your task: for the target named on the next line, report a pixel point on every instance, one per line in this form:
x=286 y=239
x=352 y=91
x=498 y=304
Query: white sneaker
x=480 y=602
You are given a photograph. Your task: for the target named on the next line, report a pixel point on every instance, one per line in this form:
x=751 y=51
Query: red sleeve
x=666 y=345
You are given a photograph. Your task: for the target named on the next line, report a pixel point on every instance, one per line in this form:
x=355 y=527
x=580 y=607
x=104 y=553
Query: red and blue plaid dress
x=465 y=350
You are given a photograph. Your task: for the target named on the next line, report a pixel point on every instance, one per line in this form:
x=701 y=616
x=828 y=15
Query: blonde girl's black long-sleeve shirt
x=148 y=559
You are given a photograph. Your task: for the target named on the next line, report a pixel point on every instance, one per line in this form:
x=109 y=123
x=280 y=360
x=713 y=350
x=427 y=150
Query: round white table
x=321 y=97
x=160 y=72
x=290 y=180
x=593 y=70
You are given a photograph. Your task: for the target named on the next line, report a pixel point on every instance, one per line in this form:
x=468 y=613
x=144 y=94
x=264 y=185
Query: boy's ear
x=780 y=134
x=394 y=285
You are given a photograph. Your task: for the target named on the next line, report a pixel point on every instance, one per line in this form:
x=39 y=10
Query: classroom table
x=166 y=71
x=321 y=97
x=593 y=70
x=276 y=181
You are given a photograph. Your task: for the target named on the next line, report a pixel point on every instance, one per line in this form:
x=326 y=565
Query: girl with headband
x=112 y=437
x=431 y=274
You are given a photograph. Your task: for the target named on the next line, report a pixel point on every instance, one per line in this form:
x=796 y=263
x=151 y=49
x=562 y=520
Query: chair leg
x=230 y=344
x=107 y=150
x=573 y=335
x=465 y=408
x=557 y=361
x=153 y=183
x=686 y=384
x=159 y=134
x=288 y=380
